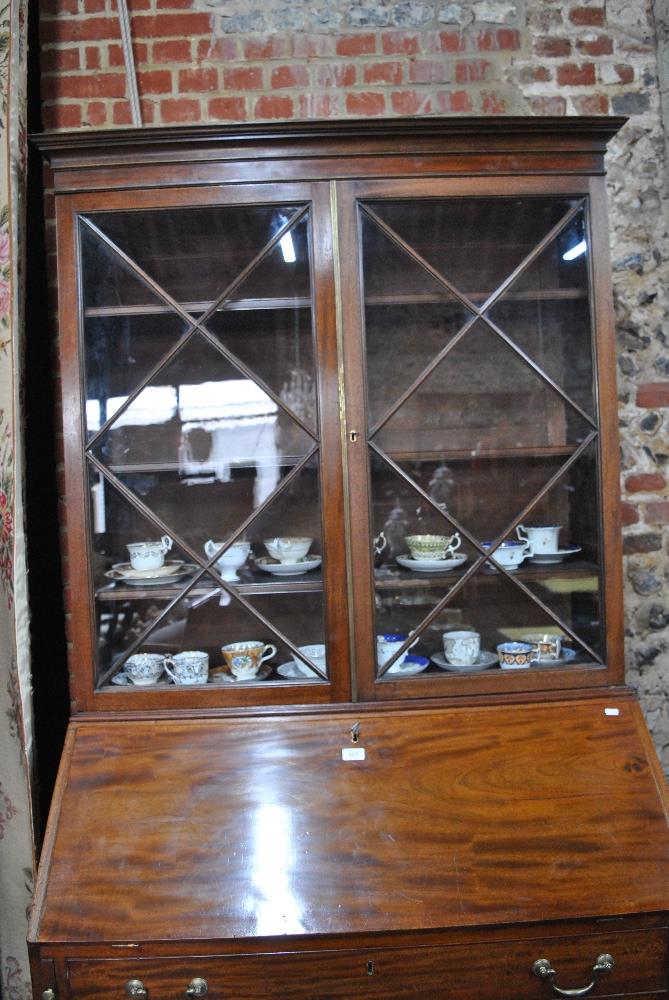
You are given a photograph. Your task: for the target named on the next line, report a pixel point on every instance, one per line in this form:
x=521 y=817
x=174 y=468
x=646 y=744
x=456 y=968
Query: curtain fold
x=17 y=850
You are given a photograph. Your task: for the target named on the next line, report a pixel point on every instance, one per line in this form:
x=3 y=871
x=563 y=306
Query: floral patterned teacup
x=244 y=659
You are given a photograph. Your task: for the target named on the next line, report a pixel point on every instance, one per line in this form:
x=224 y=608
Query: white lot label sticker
x=352 y=753
x=611 y=711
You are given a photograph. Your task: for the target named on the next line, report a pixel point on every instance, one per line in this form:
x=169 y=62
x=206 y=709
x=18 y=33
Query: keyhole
x=370 y=969
x=355 y=732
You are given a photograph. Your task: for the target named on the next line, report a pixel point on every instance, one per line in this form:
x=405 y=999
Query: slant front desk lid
x=217 y=829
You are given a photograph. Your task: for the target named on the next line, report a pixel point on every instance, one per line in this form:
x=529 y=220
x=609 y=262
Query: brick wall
x=228 y=60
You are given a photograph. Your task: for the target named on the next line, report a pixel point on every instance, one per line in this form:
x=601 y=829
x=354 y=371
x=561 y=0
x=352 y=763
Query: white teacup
x=244 y=659
x=316 y=653
x=288 y=548
x=149 y=555
x=546 y=645
x=509 y=554
x=189 y=667
x=144 y=668
x=462 y=647
x=233 y=557
x=433 y=546
x=388 y=644
x=542 y=538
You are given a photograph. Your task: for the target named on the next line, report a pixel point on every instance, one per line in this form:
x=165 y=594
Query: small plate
x=431 y=565
x=128 y=572
x=152 y=581
x=566 y=656
x=484 y=661
x=288 y=569
x=123 y=680
x=219 y=675
x=292 y=673
x=411 y=665
x=549 y=558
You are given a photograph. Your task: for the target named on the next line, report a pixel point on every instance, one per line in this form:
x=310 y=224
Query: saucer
x=548 y=558
x=303 y=565
x=411 y=665
x=150 y=577
x=431 y=565
x=292 y=673
x=566 y=656
x=219 y=675
x=128 y=571
x=122 y=679
x=484 y=661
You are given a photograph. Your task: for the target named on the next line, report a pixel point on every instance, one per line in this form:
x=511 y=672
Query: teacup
x=289 y=548
x=149 y=555
x=433 y=546
x=546 y=645
x=316 y=653
x=144 y=668
x=509 y=554
x=233 y=557
x=244 y=659
x=513 y=655
x=542 y=538
x=388 y=644
x=189 y=667
x=462 y=647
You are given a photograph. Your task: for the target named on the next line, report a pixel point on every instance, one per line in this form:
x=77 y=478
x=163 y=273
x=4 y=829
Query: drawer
x=491 y=970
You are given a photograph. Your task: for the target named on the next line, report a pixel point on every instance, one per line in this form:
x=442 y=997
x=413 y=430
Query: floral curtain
x=16 y=745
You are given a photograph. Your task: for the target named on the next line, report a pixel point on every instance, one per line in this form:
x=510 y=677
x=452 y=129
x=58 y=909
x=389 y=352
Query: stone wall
x=228 y=60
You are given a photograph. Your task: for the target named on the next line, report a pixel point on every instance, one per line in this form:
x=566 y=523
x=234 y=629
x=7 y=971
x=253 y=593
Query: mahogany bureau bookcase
x=343 y=548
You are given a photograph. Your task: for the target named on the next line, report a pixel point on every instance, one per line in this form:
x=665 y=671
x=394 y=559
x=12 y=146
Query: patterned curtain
x=16 y=745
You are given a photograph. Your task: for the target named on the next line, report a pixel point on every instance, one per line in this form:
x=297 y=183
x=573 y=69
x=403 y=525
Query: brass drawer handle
x=197 y=987
x=136 y=988
x=544 y=970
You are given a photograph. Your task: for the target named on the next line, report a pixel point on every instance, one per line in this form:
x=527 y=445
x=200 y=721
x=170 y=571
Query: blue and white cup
x=461 y=647
x=144 y=668
x=189 y=667
x=542 y=538
x=509 y=554
x=516 y=655
x=388 y=644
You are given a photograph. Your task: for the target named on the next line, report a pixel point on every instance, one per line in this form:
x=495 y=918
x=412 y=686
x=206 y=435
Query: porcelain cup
x=433 y=546
x=189 y=667
x=388 y=644
x=542 y=538
x=289 y=548
x=509 y=554
x=514 y=655
x=144 y=668
x=546 y=646
x=244 y=659
x=316 y=653
x=233 y=557
x=462 y=647
x=149 y=555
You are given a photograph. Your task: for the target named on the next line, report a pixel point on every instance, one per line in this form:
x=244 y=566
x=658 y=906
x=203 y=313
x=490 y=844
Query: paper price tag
x=353 y=753
x=611 y=711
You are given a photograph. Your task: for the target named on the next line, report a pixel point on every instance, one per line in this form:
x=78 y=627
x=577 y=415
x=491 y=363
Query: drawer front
x=498 y=970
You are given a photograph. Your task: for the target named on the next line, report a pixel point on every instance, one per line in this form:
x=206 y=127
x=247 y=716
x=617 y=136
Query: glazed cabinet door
x=198 y=337
x=476 y=469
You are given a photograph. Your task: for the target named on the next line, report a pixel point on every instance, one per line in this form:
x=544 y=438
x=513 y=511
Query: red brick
x=629 y=514
x=500 y=39
x=147 y=109
x=657 y=512
x=92 y=57
x=411 y=102
x=400 y=43
x=388 y=72
x=243 y=78
x=472 y=71
x=552 y=48
x=156 y=81
x=74 y=29
x=289 y=76
x=180 y=111
x=96 y=114
x=336 y=74
x=625 y=72
x=493 y=104
x=266 y=47
x=94 y=6
x=451 y=41
x=274 y=107
x=548 y=106
x=320 y=106
x=175 y=50
x=223 y=49
x=576 y=75
x=115 y=55
x=227 y=109
x=653 y=394
x=60 y=60
x=645 y=482
x=56 y=116
x=57 y=8
x=366 y=103
x=170 y=25
x=534 y=74
x=592 y=16
x=593 y=104
x=602 y=45
x=121 y=114
x=429 y=71
x=92 y=85
x=313 y=46
x=198 y=80
x=457 y=102
x=356 y=45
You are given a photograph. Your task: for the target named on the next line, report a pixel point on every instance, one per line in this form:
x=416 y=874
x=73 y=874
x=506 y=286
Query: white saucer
x=547 y=558
x=122 y=679
x=431 y=565
x=219 y=675
x=288 y=569
x=484 y=661
x=126 y=571
x=293 y=673
x=411 y=665
x=152 y=581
